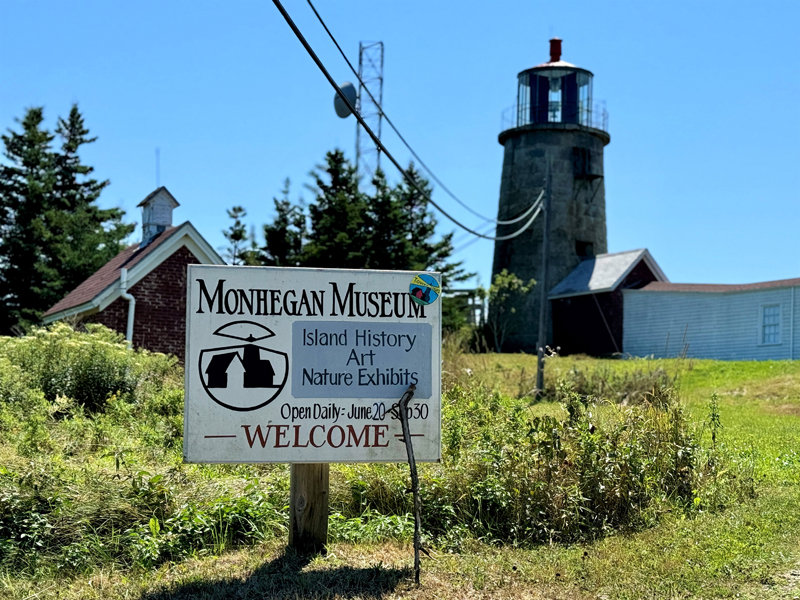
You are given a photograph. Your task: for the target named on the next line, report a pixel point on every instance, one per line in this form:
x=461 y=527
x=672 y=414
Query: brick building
x=141 y=292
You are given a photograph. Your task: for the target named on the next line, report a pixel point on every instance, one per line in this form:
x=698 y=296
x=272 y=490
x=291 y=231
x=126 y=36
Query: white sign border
x=436 y=359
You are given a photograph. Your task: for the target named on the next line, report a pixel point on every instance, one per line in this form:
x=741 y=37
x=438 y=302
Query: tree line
x=351 y=226
x=53 y=235
x=346 y=226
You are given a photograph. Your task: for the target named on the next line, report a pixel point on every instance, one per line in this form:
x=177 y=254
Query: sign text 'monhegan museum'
x=306 y=365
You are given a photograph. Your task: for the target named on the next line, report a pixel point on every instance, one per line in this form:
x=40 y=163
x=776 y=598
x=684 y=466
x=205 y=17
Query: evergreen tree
x=52 y=234
x=283 y=238
x=338 y=234
x=416 y=228
x=26 y=195
x=238 y=251
x=348 y=229
x=83 y=236
x=389 y=243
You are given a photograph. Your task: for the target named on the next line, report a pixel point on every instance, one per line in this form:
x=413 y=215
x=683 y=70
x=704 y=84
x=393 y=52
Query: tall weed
x=510 y=476
x=625 y=387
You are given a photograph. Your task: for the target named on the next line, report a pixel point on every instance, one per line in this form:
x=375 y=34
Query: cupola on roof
x=157 y=213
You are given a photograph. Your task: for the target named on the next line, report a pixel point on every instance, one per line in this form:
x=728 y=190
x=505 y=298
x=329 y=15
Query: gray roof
x=155 y=193
x=604 y=273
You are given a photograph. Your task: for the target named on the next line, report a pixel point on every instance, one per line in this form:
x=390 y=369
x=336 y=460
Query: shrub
x=88 y=367
x=46 y=518
x=18 y=396
x=199 y=528
x=370 y=527
x=509 y=476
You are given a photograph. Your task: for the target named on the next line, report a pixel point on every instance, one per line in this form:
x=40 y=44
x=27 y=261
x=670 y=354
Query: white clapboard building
x=757 y=321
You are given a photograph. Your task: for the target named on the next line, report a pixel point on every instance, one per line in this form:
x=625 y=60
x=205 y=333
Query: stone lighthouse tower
x=555 y=123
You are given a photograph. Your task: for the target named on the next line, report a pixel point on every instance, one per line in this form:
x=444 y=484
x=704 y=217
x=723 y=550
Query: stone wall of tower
x=578 y=212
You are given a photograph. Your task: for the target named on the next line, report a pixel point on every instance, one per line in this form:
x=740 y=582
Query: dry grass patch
x=782 y=387
x=792 y=410
x=363 y=572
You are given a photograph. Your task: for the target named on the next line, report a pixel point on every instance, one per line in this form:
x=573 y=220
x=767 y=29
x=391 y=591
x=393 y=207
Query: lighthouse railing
x=521 y=114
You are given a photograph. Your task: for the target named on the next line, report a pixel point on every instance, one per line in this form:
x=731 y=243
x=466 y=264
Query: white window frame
x=761 y=311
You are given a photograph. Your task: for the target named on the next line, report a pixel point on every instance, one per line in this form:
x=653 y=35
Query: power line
x=464 y=235
x=470 y=242
x=377 y=140
x=473 y=240
x=402 y=139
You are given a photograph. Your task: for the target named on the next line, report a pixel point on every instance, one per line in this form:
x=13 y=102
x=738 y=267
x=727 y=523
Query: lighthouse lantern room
x=556 y=92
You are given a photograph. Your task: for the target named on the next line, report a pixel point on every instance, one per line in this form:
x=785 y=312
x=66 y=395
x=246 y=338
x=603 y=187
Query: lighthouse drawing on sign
x=244 y=376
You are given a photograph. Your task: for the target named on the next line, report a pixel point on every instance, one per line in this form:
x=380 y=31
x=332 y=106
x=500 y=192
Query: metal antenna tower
x=370 y=72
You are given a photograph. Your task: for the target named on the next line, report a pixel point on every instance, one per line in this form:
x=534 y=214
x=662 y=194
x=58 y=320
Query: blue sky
x=703 y=98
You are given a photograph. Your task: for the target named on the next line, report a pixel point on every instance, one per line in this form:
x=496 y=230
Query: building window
x=771 y=324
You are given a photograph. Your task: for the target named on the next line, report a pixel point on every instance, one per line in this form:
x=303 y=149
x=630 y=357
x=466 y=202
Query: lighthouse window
x=581 y=162
x=554 y=100
x=584 y=250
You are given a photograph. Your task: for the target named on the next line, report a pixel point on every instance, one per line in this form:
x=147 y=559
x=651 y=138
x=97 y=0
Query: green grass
x=132 y=521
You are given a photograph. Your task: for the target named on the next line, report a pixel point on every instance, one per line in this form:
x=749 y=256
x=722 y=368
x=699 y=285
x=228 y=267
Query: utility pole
x=543 y=283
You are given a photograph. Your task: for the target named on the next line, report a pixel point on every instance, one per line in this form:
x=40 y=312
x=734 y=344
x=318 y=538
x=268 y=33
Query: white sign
x=304 y=365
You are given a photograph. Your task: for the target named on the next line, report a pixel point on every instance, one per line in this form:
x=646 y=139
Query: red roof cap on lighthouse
x=555 y=56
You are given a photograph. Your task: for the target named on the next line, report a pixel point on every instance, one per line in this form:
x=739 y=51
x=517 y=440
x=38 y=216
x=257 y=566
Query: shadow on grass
x=283 y=577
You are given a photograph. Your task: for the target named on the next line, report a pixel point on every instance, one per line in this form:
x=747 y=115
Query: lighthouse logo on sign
x=247 y=375
x=424 y=289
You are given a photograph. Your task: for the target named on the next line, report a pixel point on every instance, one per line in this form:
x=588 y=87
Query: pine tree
x=238 y=251
x=283 y=238
x=417 y=229
x=83 y=236
x=390 y=244
x=347 y=228
x=26 y=195
x=337 y=235
x=52 y=234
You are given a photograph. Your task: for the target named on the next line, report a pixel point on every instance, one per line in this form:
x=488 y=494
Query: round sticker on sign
x=424 y=289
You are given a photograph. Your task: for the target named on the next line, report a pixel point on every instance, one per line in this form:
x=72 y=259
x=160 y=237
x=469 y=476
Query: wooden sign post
x=304 y=366
x=308 y=507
